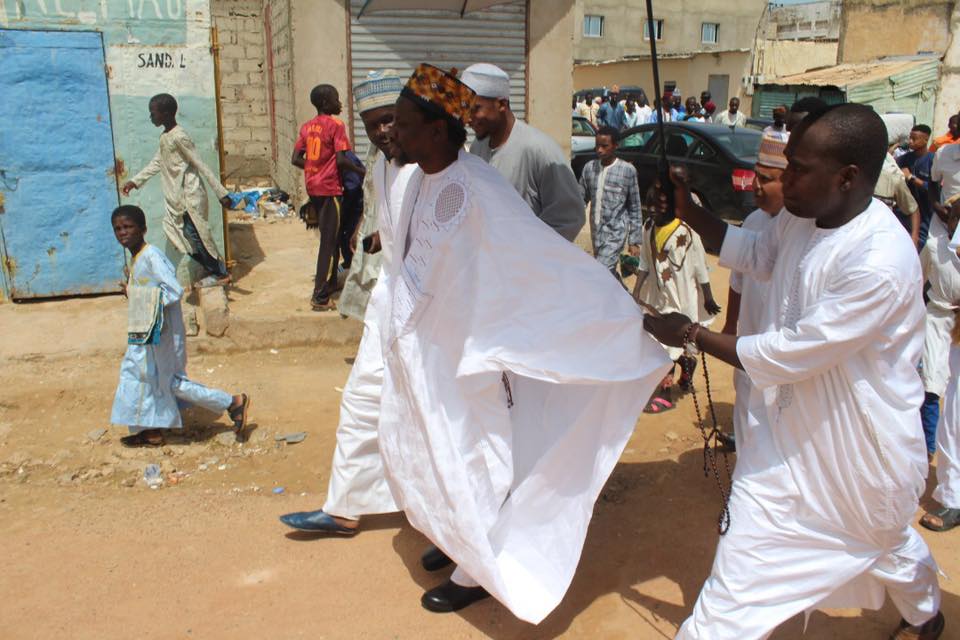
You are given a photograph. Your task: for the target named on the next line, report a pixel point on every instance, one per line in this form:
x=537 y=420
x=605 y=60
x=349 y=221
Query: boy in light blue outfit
x=153 y=379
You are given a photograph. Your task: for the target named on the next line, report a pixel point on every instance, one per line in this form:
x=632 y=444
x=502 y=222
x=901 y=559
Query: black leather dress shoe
x=433 y=559
x=451 y=597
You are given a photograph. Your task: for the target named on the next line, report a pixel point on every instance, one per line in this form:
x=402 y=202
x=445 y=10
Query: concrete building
x=874 y=29
x=76 y=78
x=793 y=39
x=806 y=21
x=704 y=45
x=309 y=42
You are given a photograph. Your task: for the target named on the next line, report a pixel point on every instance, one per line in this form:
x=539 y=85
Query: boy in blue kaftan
x=153 y=380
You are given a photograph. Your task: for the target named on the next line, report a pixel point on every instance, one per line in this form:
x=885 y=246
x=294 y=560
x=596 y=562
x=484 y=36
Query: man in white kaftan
x=182 y=174
x=941 y=355
x=507 y=398
x=821 y=513
x=941 y=268
x=357 y=485
x=748 y=299
x=365 y=266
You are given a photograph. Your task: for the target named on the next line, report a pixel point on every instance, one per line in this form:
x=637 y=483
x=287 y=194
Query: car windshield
x=743 y=143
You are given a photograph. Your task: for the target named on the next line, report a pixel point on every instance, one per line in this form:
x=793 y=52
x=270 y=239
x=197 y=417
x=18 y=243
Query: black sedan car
x=720 y=161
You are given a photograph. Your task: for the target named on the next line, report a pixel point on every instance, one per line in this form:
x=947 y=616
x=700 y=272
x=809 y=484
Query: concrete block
x=254 y=38
x=252 y=66
x=230 y=121
x=216 y=311
x=232 y=52
x=255 y=149
x=261 y=134
x=235 y=78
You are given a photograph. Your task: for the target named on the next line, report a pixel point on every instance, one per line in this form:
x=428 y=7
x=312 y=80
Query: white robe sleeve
x=189 y=153
x=164 y=274
x=152 y=169
x=841 y=322
x=750 y=252
x=699 y=255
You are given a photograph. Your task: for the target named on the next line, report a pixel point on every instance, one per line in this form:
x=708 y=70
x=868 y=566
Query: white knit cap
x=487 y=80
x=378 y=89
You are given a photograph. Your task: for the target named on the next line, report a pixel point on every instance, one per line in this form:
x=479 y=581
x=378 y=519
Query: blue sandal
x=316 y=522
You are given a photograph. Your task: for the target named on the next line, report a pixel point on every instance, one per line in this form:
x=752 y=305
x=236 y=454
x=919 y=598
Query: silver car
x=584 y=135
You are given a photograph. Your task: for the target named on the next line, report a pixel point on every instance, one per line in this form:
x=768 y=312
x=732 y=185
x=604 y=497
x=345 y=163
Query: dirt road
x=91 y=552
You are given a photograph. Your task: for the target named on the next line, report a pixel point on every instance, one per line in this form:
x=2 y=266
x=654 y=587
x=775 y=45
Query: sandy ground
x=91 y=552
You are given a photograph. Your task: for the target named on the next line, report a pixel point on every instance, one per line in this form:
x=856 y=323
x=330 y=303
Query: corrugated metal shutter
x=768 y=97
x=401 y=40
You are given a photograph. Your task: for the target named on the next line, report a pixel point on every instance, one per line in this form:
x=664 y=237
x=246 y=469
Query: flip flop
x=658 y=405
x=949 y=518
x=239 y=415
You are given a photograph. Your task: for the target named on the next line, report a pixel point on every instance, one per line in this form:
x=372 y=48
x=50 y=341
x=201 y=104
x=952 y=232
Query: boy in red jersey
x=321 y=152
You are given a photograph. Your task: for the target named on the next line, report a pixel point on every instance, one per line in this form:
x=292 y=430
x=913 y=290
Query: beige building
x=874 y=29
x=705 y=45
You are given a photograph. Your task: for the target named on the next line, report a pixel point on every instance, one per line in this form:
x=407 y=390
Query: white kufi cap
x=487 y=80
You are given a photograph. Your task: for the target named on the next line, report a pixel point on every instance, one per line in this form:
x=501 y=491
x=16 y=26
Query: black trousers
x=328 y=255
x=350 y=211
x=214 y=266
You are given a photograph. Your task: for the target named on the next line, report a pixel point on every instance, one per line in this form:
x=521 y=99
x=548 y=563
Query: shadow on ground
x=246 y=250
x=654 y=521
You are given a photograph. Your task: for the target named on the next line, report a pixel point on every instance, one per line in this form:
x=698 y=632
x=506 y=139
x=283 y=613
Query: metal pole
x=215 y=51
x=658 y=99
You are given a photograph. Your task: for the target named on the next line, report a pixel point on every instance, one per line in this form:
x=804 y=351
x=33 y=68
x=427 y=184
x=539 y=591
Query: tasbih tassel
x=711 y=440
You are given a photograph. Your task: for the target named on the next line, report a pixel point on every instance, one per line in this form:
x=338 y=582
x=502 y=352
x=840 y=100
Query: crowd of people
x=482 y=405
x=624 y=111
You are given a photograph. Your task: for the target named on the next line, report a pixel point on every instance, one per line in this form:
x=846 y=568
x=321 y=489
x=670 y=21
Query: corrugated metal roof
x=909 y=72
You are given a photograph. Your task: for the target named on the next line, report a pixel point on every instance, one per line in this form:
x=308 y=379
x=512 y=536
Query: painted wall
x=690 y=74
x=872 y=29
x=777 y=58
x=151 y=46
x=948 y=98
x=549 y=59
x=682 y=20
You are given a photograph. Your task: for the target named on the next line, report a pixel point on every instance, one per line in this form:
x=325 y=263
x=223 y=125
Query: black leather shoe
x=433 y=559
x=451 y=597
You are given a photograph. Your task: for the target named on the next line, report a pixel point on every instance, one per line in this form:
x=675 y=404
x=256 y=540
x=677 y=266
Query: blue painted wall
x=151 y=46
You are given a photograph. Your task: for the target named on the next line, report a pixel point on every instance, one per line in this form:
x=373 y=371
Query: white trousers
x=947 y=492
x=769 y=567
x=936 y=348
x=357 y=483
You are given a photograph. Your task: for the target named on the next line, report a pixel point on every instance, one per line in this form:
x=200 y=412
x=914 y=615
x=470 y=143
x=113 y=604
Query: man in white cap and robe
x=747 y=298
x=357 y=485
x=528 y=158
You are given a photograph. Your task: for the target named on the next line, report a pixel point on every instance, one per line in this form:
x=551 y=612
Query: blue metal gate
x=57 y=184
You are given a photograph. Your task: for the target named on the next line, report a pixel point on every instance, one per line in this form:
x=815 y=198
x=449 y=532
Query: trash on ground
x=291 y=438
x=152 y=476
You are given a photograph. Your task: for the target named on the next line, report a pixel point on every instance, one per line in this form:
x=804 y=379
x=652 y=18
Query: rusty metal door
x=57 y=187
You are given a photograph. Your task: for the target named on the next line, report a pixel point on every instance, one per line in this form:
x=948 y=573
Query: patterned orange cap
x=442 y=90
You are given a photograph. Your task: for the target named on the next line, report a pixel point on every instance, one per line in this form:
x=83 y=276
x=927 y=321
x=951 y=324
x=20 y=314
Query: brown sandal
x=146 y=438
x=239 y=415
